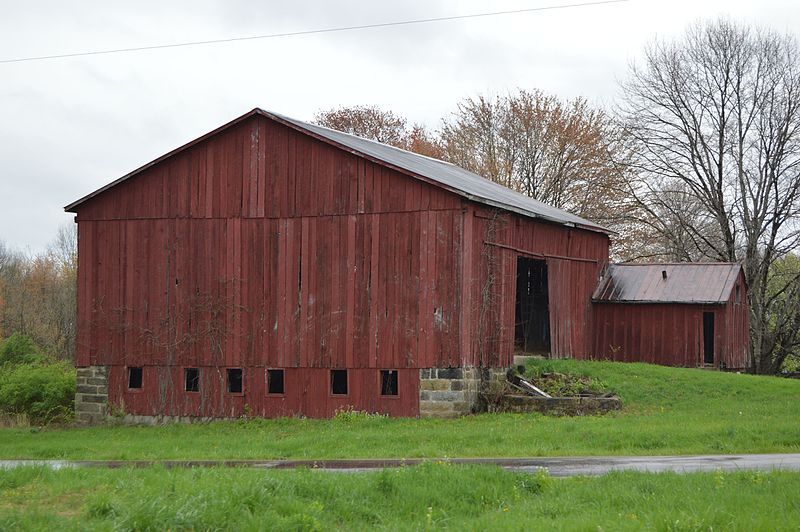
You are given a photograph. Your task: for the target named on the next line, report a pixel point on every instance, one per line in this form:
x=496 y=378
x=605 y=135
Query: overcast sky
x=69 y=126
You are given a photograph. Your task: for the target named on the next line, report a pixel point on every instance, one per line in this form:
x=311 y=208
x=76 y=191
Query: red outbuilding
x=275 y=267
x=686 y=314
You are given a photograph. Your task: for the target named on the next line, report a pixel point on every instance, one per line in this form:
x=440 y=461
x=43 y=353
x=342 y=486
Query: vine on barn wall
x=488 y=332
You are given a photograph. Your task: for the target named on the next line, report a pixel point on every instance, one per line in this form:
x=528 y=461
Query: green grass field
x=667 y=411
x=430 y=496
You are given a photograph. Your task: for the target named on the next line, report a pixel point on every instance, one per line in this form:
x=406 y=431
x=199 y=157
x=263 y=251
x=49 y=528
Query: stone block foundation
x=91 y=397
x=453 y=392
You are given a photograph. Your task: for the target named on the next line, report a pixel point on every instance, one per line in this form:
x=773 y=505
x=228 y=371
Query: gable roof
x=691 y=282
x=449 y=176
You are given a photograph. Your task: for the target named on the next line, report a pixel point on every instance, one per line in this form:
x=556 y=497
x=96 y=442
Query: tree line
x=38 y=293
x=698 y=160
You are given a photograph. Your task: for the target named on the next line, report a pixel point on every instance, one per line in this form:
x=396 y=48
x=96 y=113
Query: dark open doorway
x=708 y=338
x=532 y=318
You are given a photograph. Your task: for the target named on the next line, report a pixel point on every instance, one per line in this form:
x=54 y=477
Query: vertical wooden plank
x=350 y=291
x=261 y=168
x=312 y=325
x=361 y=292
x=374 y=290
x=293 y=189
x=467 y=283
x=253 y=192
x=280 y=289
x=429 y=311
x=422 y=298
x=238 y=289
x=293 y=251
x=276 y=353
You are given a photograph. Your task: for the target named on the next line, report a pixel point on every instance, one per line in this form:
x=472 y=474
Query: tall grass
x=666 y=411
x=431 y=496
x=34 y=388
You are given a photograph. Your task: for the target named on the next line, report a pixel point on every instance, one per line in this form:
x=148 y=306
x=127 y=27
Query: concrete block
x=86 y=388
x=446 y=396
x=97 y=381
x=450 y=373
x=436 y=406
x=89 y=398
x=434 y=384
x=90 y=408
x=462 y=407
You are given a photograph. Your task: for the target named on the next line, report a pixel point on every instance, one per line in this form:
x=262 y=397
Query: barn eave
x=562 y=218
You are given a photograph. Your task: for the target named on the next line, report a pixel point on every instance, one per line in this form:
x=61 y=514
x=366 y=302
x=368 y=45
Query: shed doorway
x=531 y=313
x=708 y=338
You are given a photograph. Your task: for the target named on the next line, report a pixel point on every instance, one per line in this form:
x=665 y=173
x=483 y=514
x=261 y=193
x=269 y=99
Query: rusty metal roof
x=454 y=178
x=444 y=174
x=689 y=282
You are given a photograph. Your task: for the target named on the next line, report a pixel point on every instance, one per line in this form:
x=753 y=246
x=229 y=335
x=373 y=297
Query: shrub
x=43 y=391
x=348 y=414
x=20 y=349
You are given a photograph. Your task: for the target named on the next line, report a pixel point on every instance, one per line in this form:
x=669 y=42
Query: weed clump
x=349 y=414
x=33 y=387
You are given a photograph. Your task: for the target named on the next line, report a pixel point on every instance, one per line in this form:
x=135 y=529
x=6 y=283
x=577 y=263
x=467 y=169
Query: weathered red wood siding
x=263 y=247
x=307 y=393
x=574 y=257
x=672 y=334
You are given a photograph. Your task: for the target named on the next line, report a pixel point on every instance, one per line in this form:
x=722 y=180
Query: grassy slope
x=667 y=411
x=430 y=496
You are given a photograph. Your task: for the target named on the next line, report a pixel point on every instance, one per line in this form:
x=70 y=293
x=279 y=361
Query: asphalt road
x=557 y=467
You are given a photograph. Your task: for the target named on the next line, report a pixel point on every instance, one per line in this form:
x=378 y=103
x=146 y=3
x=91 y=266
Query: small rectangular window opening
x=135 y=378
x=388 y=382
x=339 y=381
x=234 y=380
x=192 y=379
x=738 y=294
x=275 y=381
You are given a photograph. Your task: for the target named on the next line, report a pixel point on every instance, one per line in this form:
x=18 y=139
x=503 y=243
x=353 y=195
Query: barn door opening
x=708 y=338
x=532 y=317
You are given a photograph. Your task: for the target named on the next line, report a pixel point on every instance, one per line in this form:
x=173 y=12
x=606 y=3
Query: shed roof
x=691 y=282
x=444 y=174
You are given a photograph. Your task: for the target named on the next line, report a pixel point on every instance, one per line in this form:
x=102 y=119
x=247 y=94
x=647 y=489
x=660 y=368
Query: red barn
x=686 y=314
x=281 y=268
x=274 y=267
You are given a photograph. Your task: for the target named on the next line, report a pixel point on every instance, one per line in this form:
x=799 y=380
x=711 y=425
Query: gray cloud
x=70 y=126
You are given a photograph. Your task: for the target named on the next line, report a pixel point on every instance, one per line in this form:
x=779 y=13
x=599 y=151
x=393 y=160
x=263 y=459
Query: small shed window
x=134 y=378
x=191 y=379
x=738 y=293
x=389 y=382
x=234 y=380
x=275 y=381
x=339 y=381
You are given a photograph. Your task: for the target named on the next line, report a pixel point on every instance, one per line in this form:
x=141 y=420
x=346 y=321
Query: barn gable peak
x=433 y=171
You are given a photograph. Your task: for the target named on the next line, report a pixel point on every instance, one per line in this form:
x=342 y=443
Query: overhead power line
x=309 y=32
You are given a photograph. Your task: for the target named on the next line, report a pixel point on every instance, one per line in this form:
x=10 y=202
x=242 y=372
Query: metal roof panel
x=449 y=176
x=695 y=282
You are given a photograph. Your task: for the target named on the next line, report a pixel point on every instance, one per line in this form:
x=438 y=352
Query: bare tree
x=371 y=122
x=715 y=118
x=566 y=154
x=367 y=121
x=37 y=294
